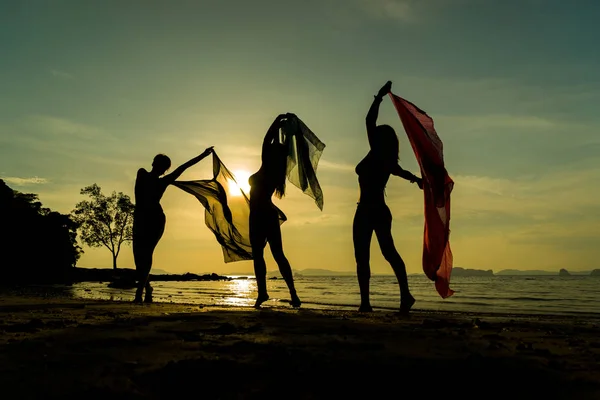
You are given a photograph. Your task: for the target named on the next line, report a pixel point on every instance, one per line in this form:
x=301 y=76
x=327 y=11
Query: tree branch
x=103 y=241
x=123 y=228
x=110 y=234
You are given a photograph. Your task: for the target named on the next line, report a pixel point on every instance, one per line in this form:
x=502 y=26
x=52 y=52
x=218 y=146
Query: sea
x=571 y=295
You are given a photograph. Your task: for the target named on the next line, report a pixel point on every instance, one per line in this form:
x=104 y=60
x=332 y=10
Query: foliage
x=105 y=220
x=37 y=245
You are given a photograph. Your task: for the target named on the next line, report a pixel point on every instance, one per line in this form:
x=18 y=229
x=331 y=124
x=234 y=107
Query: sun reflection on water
x=242 y=292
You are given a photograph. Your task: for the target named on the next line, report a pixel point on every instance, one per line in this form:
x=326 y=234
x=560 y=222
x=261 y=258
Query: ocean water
x=497 y=294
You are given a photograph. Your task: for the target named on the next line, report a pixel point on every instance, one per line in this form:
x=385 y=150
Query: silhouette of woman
x=149 y=219
x=372 y=214
x=264 y=216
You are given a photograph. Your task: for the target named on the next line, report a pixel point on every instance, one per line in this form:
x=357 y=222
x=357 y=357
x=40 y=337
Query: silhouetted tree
x=37 y=245
x=105 y=221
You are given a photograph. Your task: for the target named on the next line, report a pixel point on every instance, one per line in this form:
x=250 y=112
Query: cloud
x=50 y=140
x=61 y=74
x=63 y=126
x=406 y=10
x=511 y=95
x=546 y=220
x=329 y=165
x=393 y=9
x=493 y=186
x=554 y=193
x=481 y=123
x=548 y=210
x=238 y=149
x=24 y=181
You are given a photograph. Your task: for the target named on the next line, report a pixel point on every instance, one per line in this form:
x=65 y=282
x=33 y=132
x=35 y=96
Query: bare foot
x=138 y=296
x=406 y=304
x=148 y=297
x=365 y=308
x=296 y=303
x=261 y=299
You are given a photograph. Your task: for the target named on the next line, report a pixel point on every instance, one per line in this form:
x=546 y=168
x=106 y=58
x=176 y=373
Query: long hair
x=386 y=144
x=277 y=165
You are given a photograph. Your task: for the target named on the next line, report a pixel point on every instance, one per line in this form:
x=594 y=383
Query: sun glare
x=241 y=178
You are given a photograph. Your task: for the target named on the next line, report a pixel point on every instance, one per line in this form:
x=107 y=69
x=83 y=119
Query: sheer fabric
x=437 y=186
x=227 y=210
x=304 y=151
x=227 y=206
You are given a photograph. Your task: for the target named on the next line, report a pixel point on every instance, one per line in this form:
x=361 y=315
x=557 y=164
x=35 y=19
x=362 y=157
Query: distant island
x=301 y=272
x=158 y=271
x=516 y=272
x=537 y=272
x=458 y=271
x=323 y=272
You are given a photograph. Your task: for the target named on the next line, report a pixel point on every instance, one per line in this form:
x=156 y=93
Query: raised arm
x=371 y=119
x=170 y=178
x=272 y=134
x=409 y=176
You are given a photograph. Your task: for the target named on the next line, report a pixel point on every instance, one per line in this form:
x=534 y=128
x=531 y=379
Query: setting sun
x=241 y=178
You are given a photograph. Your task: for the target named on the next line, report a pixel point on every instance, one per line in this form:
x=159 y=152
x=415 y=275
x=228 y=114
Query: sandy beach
x=56 y=347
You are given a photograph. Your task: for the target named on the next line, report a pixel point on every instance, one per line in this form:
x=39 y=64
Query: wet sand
x=64 y=348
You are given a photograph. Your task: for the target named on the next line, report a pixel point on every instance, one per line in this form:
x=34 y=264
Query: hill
x=323 y=272
x=536 y=272
x=158 y=271
x=458 y=271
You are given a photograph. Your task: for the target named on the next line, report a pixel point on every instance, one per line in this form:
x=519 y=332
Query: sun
x=241 y=178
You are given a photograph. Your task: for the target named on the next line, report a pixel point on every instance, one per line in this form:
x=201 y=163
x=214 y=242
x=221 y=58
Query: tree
x=105 y=221
x=37 y=245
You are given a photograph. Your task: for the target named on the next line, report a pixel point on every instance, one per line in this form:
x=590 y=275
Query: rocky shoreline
x=125 y=278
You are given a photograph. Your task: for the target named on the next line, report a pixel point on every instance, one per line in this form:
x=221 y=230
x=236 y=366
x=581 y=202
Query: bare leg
x=362 y=232
x=383 y=230
x=260 y=272
x=258 y=242
x=149 y=289
x=143 y=263
x=285 y=268
x=143 y=267
x=143 y=251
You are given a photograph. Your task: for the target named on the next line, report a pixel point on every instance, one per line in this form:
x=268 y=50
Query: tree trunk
x=114 y=261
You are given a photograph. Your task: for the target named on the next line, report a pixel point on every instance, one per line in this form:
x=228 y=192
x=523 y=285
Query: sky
x=90 y=91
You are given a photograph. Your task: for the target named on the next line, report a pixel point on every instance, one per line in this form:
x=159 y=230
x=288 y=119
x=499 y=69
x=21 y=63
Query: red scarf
x=437 y=186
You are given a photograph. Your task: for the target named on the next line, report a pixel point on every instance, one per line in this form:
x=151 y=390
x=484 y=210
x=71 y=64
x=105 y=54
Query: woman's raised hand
x=385 y=89
x=207 y=151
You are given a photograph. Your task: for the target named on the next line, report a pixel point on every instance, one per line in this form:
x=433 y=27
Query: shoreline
x=58 y=346
x=45 y=291
x=29 y=301
x=84 y=274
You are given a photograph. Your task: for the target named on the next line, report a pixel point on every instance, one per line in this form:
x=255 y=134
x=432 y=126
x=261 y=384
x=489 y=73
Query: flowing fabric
x=304 y=152
x=227 y=210
x=227 y=207
x=437 y=186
